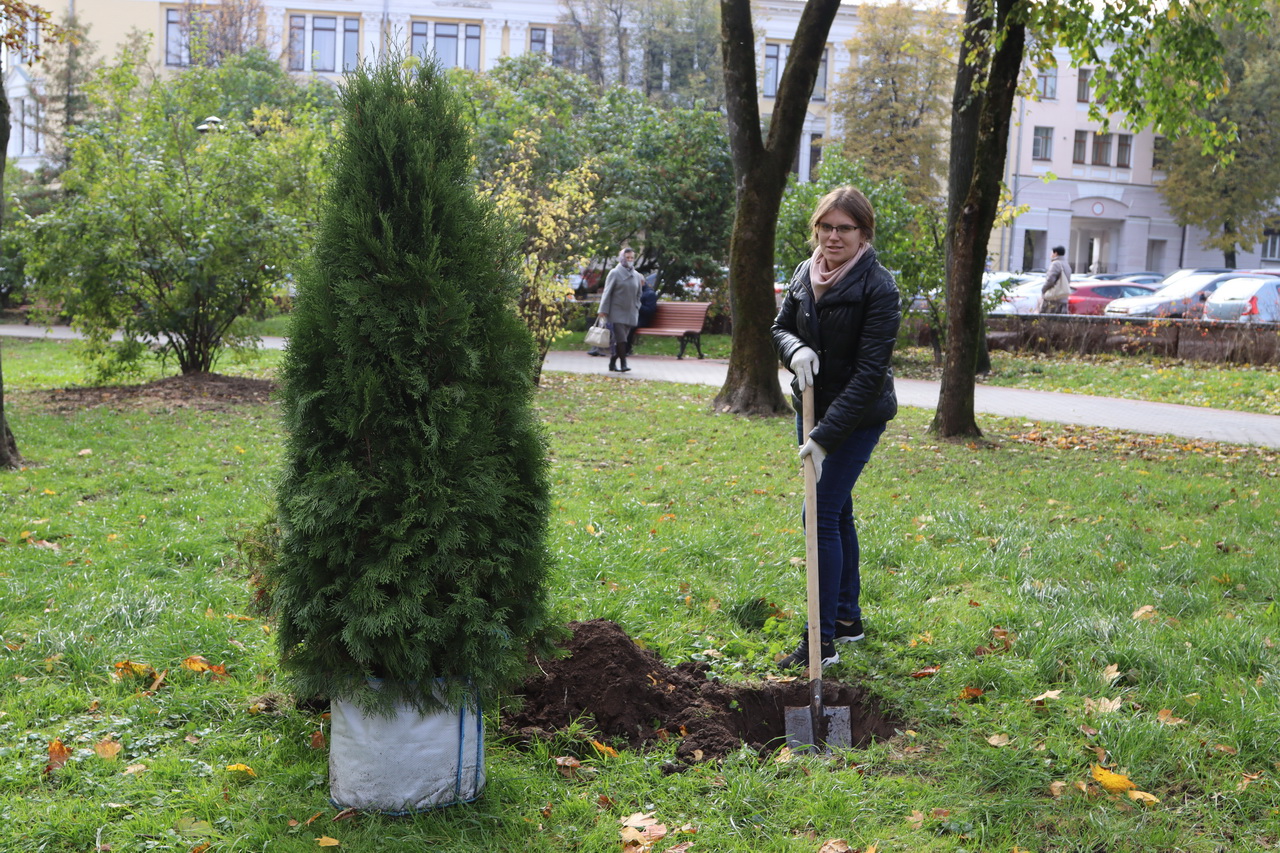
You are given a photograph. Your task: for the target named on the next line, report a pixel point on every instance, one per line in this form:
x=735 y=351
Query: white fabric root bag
x=404 y=763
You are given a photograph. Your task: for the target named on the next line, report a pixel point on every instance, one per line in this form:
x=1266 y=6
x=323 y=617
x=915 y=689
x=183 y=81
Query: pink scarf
x=821 y=278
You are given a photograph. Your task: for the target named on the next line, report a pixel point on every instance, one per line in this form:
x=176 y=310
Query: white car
x=1248 y=299
x=1022 y=299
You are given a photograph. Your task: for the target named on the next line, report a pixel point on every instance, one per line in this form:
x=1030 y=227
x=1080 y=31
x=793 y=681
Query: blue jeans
x=838 y=580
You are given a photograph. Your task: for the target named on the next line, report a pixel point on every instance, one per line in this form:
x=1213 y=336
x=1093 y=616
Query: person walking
x=835 y=331
x=1057 y=283
x=620 y=306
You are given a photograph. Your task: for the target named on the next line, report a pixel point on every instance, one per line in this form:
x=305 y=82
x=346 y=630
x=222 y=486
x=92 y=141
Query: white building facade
x=1095 y=194
x=327 y=38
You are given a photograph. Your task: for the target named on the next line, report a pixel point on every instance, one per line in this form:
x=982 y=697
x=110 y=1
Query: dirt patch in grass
x=628 y=694
x=201 y=391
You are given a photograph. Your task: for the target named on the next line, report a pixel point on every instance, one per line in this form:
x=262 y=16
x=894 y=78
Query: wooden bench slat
x=683 y=320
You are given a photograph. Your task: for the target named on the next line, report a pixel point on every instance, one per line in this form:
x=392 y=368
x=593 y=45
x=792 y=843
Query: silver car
x=1181 y=297
x=1245 y=299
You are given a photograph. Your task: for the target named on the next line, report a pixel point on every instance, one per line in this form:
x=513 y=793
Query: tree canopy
x=1156 y=64
x=1233 y=200
x=892 y=101
x=183 y=210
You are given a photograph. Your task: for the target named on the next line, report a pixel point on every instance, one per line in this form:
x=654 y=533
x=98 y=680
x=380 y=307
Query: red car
x=1090 y=296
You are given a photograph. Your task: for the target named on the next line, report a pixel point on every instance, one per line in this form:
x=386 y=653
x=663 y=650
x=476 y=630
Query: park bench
x=683 y=320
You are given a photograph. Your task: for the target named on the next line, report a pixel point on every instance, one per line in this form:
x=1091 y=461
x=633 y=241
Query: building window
x=1160 y=153
x=1124 y=150
x=1080 y=147
x=1271 y=246
x=324 y=42
x=1082 y=85
x=297 y=42
x=350 y=43
x=820 y=85
x=446 y=46
x=178 y=27
x=1047 y=84
x=419 y=42
x=1042 y=143
x=815 y=153
x=28 y=125
x=772 y=61
x=471 y=53
x=537 y=40
x=1102 y=149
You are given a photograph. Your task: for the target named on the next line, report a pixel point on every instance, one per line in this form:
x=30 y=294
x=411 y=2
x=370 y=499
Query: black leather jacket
x=853 y=330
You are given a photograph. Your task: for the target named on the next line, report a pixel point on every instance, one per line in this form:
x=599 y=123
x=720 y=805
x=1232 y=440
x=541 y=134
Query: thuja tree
x=414 y=497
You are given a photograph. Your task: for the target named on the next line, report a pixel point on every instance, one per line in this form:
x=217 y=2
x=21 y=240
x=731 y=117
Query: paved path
x=1110 y=412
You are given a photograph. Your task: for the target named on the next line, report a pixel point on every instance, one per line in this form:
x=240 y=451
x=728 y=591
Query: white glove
x=819 y=454
x=804 y=364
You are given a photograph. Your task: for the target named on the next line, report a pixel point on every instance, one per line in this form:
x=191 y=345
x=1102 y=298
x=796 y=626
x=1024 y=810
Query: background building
x=1095 y=193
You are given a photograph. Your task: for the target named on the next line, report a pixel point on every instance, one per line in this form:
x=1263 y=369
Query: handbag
x=599 y=336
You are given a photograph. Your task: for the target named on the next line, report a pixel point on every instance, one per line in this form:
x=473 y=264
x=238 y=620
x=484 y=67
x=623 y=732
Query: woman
x=835 y=331
x=620 y=306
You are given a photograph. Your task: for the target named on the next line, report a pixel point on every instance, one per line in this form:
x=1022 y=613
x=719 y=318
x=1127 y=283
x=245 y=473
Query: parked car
x=1144 y=278
x=1023 y=298
x=1127 y=276
x=1090 y=297
x=1245 y=299
x=1182 y=295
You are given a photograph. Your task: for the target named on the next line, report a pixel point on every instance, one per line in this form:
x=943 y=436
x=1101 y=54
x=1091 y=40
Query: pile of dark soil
x=202 y=391
x=628 y=694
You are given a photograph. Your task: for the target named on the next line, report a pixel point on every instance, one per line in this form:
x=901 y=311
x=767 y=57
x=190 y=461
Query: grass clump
x=1121 y=589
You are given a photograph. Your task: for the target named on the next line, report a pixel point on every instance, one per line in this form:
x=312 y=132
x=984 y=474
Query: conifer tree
x=414 y=500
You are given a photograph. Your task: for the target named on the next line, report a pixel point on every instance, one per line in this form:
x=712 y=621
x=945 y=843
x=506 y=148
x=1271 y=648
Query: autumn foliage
x=414 y=498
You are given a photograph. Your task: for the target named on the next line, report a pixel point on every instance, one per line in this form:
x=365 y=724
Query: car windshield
x=1186 y=286
x=1238 y=288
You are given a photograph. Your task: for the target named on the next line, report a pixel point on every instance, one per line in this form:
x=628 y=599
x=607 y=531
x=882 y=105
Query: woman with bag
x=620 y=306
x=835 y=331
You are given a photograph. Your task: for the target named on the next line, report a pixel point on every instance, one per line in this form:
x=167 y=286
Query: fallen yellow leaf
x=1143 y=797
x=998 y=740
x=1048 y=694
x=326 y=841
x=603 y=749
x=241 y=768
x=835 y=845
x=1113 y=782
x=1166 y=717
x=1110 y=674
x=1056 y=789
x=107 y=749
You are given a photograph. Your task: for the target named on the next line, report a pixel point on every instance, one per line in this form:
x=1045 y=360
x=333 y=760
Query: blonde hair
x=847 y=200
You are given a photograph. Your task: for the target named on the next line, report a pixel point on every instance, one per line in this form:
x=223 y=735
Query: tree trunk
x=981 y=112
x=9 y=457
x=1229 y=255
x=760 y=171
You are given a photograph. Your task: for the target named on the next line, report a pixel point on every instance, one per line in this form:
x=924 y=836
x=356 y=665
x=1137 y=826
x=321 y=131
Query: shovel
x=815 y=728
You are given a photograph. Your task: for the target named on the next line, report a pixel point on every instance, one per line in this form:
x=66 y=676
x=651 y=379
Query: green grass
x=665 y=516
x=1237 y=387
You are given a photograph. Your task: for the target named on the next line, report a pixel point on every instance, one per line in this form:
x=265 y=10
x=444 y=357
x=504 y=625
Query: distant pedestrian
x=1057 y=284
x=648 y=308
x=620 y=306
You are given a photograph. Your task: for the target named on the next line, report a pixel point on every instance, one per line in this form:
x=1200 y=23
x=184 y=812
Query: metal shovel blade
x=800 y=735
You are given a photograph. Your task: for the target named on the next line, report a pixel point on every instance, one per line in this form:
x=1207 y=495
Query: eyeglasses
x=842 y=230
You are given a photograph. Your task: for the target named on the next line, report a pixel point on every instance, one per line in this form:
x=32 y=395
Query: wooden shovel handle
x=811 y=541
